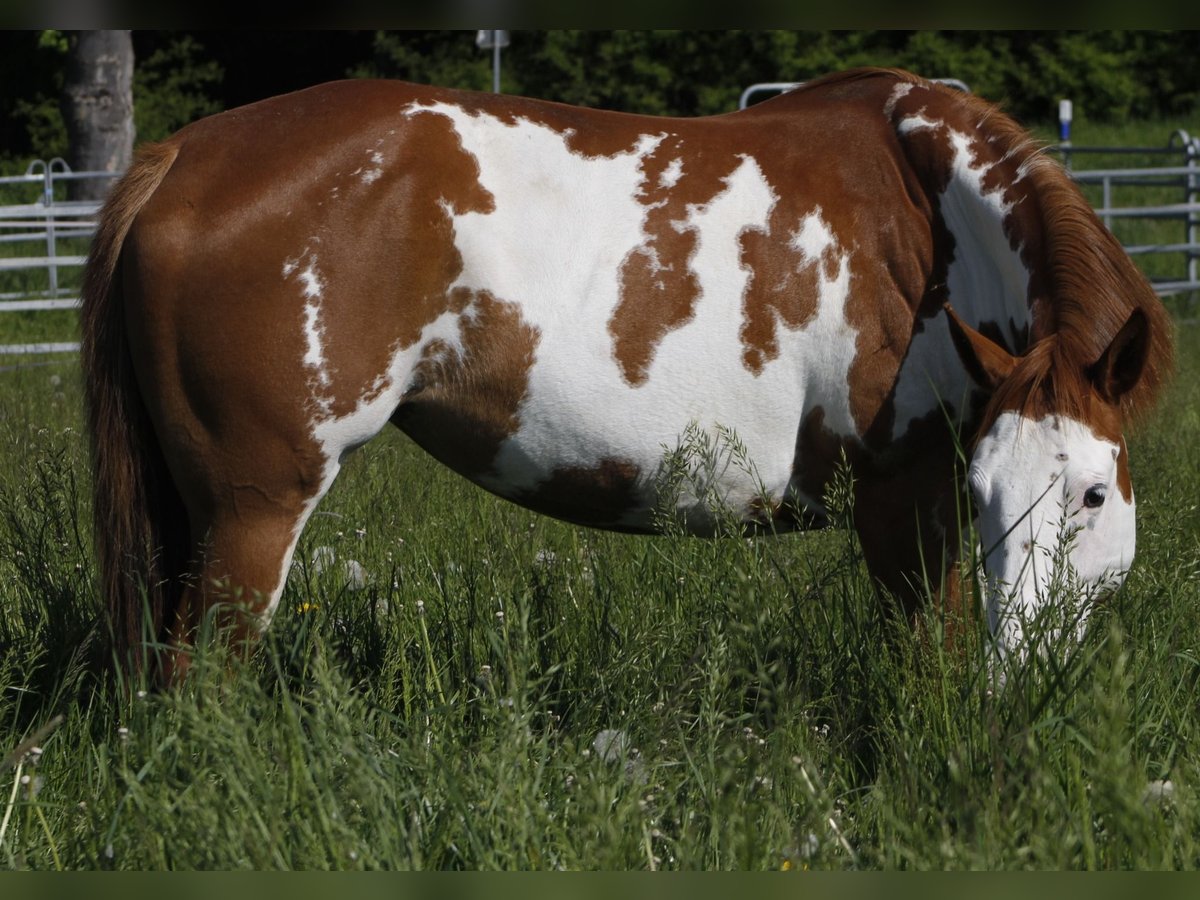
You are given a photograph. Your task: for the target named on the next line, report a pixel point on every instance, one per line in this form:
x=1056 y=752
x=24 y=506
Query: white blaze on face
x=1051 y=515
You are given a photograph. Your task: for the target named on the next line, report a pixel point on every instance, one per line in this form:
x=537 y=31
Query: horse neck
x=976 y=169
x=995 y=267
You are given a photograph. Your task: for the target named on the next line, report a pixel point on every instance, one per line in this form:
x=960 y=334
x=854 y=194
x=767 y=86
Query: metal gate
x=43 y=234
x=1168 y=193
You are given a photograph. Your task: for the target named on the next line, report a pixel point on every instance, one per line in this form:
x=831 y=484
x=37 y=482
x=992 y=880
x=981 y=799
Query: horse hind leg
x=245 y=527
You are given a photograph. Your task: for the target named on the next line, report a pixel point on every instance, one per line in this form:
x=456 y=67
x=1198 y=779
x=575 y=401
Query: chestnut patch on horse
x=1124 y=482
x=591 y=134
x=784 y=283
x=404 y=225
x=465 y=402
x=599 y=495
x=659 y=290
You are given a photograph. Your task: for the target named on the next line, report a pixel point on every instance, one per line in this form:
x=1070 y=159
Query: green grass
x=452 y=712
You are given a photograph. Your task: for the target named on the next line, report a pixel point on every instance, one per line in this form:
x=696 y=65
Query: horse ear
x=985 y=361
x=1120 y=365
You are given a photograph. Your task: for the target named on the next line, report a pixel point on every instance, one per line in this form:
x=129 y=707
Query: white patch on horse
x=562 y=224
x=312 y=287
x=898 y=93
x=916 y=122
x=986 y=281
x=826 y=344
x=671 y=174
x=813 y=238
x=314 y=355
x=372 y=174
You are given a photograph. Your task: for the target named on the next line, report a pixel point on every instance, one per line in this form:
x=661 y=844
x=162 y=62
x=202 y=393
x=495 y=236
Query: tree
x=97 y=106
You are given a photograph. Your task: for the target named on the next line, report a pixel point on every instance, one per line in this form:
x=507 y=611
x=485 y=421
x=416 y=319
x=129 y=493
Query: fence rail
x=1183 y=178
x=35 y=228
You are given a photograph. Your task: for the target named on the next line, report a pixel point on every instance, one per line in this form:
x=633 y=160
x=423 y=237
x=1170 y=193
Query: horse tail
x=141 y=530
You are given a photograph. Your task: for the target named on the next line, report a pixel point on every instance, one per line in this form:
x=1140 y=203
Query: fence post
x=1191 y=192
x=1065 y=114
x=1193 y=230
x=1107 y=202
x=59 y=165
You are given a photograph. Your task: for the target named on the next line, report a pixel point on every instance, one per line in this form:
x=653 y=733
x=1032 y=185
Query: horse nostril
x=1025 y=545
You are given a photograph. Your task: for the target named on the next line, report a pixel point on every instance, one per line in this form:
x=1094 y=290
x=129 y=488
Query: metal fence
x=1179 y=175
x=42 y=230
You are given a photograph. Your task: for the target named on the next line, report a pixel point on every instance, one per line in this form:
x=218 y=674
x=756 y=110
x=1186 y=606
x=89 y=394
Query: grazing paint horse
x=545 y=297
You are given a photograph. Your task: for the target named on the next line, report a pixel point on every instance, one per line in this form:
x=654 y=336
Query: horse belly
x=606 y=455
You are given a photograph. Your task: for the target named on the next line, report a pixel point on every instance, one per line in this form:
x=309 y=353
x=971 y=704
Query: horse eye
x=1094 y=496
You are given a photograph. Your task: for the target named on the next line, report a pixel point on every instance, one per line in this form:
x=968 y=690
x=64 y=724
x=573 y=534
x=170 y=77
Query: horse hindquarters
x=235 y=423
x=206 y=462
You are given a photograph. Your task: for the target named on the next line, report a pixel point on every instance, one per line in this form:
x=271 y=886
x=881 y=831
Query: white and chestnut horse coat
x=546 y=298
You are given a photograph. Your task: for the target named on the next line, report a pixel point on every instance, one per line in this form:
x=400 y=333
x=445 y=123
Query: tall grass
x=491 y=689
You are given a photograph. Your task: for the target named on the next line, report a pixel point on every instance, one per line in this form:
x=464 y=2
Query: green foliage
x=45 y=130
x=1109 y=75
x=36 y=112
x=1095 y=72
x=448 y=58
x=174 y=86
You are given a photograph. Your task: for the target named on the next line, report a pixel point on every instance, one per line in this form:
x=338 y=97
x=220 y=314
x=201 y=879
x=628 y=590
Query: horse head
x=1049 y=477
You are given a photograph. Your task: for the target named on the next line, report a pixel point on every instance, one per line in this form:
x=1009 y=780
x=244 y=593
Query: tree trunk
x=97 y=106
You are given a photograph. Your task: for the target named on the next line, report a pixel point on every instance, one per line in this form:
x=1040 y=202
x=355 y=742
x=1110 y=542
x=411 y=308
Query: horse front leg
x=910 y=530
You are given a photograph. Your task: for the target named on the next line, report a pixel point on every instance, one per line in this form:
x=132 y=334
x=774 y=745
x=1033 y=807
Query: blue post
x=1064 y=121
x=1064 y=130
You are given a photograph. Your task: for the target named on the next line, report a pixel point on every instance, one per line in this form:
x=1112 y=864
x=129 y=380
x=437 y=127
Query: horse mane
x=1088 y=286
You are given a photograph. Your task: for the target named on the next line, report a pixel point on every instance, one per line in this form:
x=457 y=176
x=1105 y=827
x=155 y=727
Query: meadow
x=453 y=682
